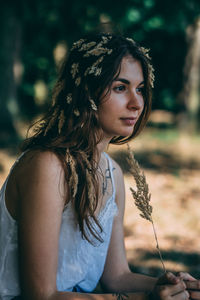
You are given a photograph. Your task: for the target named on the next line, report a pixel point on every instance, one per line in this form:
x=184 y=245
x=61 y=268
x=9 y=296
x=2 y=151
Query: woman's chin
x=125 y=133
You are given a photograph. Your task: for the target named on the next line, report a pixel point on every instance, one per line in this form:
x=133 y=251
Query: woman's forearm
x=132 y=283
x=111 y=296
x=86 y=296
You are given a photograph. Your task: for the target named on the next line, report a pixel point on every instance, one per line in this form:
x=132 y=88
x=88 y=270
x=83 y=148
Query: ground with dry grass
x=171 y=162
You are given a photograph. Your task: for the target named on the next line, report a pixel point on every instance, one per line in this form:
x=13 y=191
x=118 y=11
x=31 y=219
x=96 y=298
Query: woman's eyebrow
x=142 y=82
x=126 y=81
x=123 y=80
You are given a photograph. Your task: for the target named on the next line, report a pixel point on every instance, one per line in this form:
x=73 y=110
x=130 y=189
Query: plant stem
x=157 y=246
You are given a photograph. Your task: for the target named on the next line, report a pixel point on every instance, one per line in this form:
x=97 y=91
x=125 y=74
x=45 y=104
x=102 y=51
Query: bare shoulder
x=40 y=172
x=40 y=202
x=39 y=159
x=40 y=164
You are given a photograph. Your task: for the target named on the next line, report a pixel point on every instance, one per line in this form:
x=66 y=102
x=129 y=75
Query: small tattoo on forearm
x=121 y=296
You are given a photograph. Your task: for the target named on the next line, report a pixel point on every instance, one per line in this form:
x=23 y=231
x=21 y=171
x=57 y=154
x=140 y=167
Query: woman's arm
x=42 y=193
x=168 y=287
x=117 y=275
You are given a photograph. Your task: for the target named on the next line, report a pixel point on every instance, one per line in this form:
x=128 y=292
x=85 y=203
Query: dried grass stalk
x=142 y=196
x=89 y=179
x=73 y=180
x=90 y=187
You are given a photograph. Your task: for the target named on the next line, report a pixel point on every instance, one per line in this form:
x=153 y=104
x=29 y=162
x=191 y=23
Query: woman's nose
x=136 y=101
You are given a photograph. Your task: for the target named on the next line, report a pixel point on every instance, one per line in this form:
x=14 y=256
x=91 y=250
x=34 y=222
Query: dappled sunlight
x=171 y=162
x=40 y=92
x=6 y=162
x=18 y=70
x=172 y=169
x=60 y=52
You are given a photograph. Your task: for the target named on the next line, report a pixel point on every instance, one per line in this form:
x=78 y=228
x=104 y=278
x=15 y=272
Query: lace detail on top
x=80 y=264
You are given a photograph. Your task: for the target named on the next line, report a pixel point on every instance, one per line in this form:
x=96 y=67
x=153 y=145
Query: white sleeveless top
x=80 y=264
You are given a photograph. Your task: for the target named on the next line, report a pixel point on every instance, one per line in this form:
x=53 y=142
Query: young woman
x=62 y=205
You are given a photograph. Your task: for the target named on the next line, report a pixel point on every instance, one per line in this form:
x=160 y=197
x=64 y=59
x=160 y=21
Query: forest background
x=35 y=36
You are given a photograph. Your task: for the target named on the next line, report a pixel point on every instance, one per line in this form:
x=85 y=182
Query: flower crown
x=90 y=49
x=99 y=49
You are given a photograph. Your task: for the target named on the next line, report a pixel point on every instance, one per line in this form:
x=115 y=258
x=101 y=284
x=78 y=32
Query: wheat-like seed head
x=90 y=187
x=142 y=196
x=89 y=179
x=73 y=180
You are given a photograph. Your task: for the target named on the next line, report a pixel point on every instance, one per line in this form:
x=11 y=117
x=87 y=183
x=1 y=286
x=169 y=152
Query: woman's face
x=121 y=108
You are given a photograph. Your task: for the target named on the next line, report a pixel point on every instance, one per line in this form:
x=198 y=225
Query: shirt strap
x=110 y=165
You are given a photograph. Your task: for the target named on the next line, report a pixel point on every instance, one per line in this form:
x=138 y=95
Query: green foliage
x=159 y=25
x=166 y=136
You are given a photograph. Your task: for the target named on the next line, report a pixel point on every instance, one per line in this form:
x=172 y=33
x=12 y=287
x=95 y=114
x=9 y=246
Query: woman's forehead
x=131 y=68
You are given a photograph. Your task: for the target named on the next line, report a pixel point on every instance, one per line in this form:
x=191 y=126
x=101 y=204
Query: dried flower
x=98 y=71
x=145 y=52
x=97 y=51
x=74 y=69
x=130 y=40
x=76 y=113
x=93 y=70
x=106 y=38
x=78 y=81
x=69 y=98
x=151 y=75
x=77 y=44
x=142 y=196
x=87 y=46
x=93 y=105
x=73 y=180
x=98 y=61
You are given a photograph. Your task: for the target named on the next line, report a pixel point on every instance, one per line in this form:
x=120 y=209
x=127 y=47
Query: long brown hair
x=71 y=128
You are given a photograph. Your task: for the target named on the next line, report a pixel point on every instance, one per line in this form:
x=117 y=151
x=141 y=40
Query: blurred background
x=35 y=36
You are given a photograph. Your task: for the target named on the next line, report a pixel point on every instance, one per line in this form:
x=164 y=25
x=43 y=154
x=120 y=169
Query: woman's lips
x=129 y=121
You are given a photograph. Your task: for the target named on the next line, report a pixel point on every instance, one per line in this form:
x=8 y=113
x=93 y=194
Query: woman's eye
x=120 y=88
x=140 y=90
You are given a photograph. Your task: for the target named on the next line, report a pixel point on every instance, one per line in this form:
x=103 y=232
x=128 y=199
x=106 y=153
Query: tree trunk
x=9 y=52
x=190 y=94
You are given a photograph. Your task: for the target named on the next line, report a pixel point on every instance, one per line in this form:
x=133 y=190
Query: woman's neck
x=103 y=145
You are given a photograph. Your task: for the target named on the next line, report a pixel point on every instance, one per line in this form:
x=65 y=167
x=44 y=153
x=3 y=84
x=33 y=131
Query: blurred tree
x=10 y=36
x=190 y=94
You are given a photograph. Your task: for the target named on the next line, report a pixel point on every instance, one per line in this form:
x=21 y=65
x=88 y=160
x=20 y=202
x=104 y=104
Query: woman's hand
x=192 y=285
x=169 y=287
